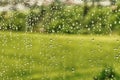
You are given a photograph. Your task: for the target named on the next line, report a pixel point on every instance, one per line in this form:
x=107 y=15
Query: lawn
x=30 y=56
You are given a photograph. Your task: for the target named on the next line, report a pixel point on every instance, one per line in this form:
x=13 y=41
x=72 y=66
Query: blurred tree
x=98 y=2
x=113 y=2
x=93 y=2
x=85 y=7
x=14 y=2
x=3 y=2
x=69 y=1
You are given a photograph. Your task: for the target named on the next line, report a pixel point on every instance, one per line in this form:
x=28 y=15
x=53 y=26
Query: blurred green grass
x=29 y=56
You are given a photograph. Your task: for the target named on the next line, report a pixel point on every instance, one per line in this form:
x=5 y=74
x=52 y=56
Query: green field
x=28 y=56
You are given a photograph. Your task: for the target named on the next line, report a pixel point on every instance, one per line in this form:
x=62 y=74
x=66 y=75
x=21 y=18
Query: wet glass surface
x=59 y=40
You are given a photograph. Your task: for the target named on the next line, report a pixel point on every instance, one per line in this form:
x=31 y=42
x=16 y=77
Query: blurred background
x=61 y=16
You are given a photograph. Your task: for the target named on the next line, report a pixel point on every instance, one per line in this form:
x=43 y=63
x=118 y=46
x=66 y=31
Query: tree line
x=61 y=18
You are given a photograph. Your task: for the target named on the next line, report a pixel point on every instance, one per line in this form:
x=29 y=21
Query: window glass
x=59 y=40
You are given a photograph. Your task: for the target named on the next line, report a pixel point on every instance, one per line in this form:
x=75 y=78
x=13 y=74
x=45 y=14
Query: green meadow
x=31 y=56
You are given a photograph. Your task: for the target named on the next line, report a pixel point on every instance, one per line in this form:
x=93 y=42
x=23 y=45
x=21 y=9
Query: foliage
x=60 y=18
x=107 y=74
x=96 y=21
x=12 y=21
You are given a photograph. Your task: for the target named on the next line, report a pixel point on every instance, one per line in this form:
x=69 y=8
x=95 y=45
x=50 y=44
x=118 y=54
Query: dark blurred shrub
x=107 y=74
